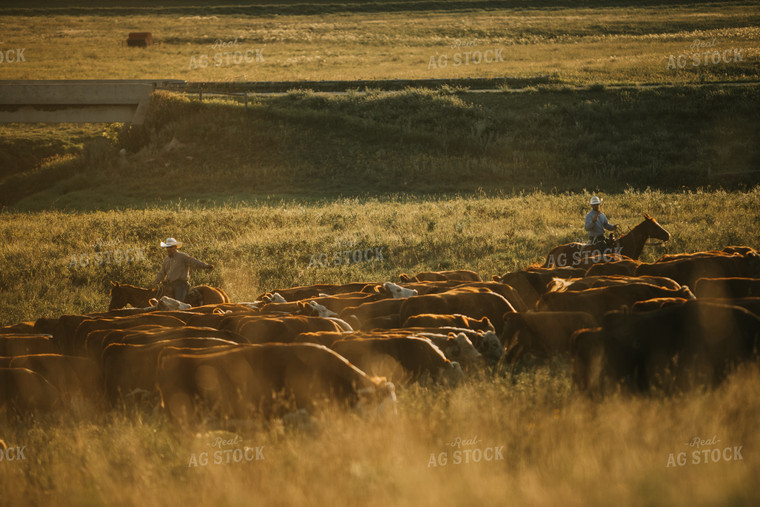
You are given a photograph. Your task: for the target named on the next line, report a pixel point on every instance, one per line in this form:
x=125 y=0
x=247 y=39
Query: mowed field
x=427 y=180
x=598 y=42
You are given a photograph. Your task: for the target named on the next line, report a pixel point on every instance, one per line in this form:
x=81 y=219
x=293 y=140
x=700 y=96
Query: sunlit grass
x=576 y=46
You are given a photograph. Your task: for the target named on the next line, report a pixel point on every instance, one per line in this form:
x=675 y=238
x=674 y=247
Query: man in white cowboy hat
x=176 y=268
x=597 y=223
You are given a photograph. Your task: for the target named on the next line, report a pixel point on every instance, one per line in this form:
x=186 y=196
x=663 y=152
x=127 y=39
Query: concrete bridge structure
x=87 y=101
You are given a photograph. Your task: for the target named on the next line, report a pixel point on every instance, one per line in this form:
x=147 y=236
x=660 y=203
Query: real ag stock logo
x=105 y=253
x=226 y=58
x=466 y=56
x=707 y=451
x=226 y=452
x=12 y=453
x=352 y=255
x=12 y=56
x=697 y=57
x=466 y=451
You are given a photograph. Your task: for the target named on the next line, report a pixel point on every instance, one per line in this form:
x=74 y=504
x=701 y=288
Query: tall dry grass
x=558 y=448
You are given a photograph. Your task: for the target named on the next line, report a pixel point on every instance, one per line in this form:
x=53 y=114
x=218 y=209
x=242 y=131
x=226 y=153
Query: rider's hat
x=171 y=242
x=595 y=200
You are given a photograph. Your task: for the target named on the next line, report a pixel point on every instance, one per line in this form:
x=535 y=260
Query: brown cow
x=599 y=301
x=674 y=348
x=473 y=302
x=130 y=369
x=364 y=315
x=727 y=287
x=751 y=304
x=742 y=250
x=461 y=275
x=325 y=338
x=688 y=271
x=74 y=377
x=265 y=329
x=400 y=358
x=77 y=346
x=309 y=291
x=25 y=344
x=531 y=284
x=485 y=342
x=336 y=304
x=693 y=255
x=21 y=328
x=25 y=392
x=507 y=291
x=429 y=287
x=625 y=267
x=541 y=334
x=655 y=304
x=144 y=336
x=252 y=379
x=455 y=320
x=99 y=339
x=456 y=347
x=592 y=282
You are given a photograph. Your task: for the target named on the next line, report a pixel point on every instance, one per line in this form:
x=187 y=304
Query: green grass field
x=432 y=179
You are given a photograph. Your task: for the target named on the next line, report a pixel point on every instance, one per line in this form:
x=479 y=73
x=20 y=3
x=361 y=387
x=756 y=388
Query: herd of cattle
x=684 y=321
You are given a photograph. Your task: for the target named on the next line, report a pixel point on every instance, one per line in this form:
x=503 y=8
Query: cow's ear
x=404 y=277
x=496 y=278
x=114 y=284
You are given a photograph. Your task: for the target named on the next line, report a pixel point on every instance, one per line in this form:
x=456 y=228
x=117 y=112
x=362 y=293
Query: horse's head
x=653 y=229
x=118 y=299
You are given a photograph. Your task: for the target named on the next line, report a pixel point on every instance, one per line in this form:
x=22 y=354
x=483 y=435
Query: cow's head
x=170 y=304
x=686 y=293
x=452 y=374
x=399 y=292
x=491 y=347
x=459 y=348
x=273 y=297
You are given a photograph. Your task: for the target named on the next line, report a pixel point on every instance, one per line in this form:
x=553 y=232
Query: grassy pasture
x=51 y=262
x=436 y=180
x=593 y=43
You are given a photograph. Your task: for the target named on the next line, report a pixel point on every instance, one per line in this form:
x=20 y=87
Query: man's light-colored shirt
x=597 y=228
x=177 y=267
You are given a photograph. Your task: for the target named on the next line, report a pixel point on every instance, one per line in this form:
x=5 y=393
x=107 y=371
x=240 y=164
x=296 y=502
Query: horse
x=629 y=245
x=123 y=294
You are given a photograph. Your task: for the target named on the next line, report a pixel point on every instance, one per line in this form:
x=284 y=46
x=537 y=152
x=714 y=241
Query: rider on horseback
x=596 y=223
x=176 y=268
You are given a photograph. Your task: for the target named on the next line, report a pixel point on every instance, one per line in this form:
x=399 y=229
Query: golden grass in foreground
x=558 y=447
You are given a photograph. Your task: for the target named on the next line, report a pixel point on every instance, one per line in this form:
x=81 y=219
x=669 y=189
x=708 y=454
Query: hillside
x=313 y=145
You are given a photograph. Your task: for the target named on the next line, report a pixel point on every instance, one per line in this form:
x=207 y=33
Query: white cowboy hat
x=595 y=200
x=171 y=242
